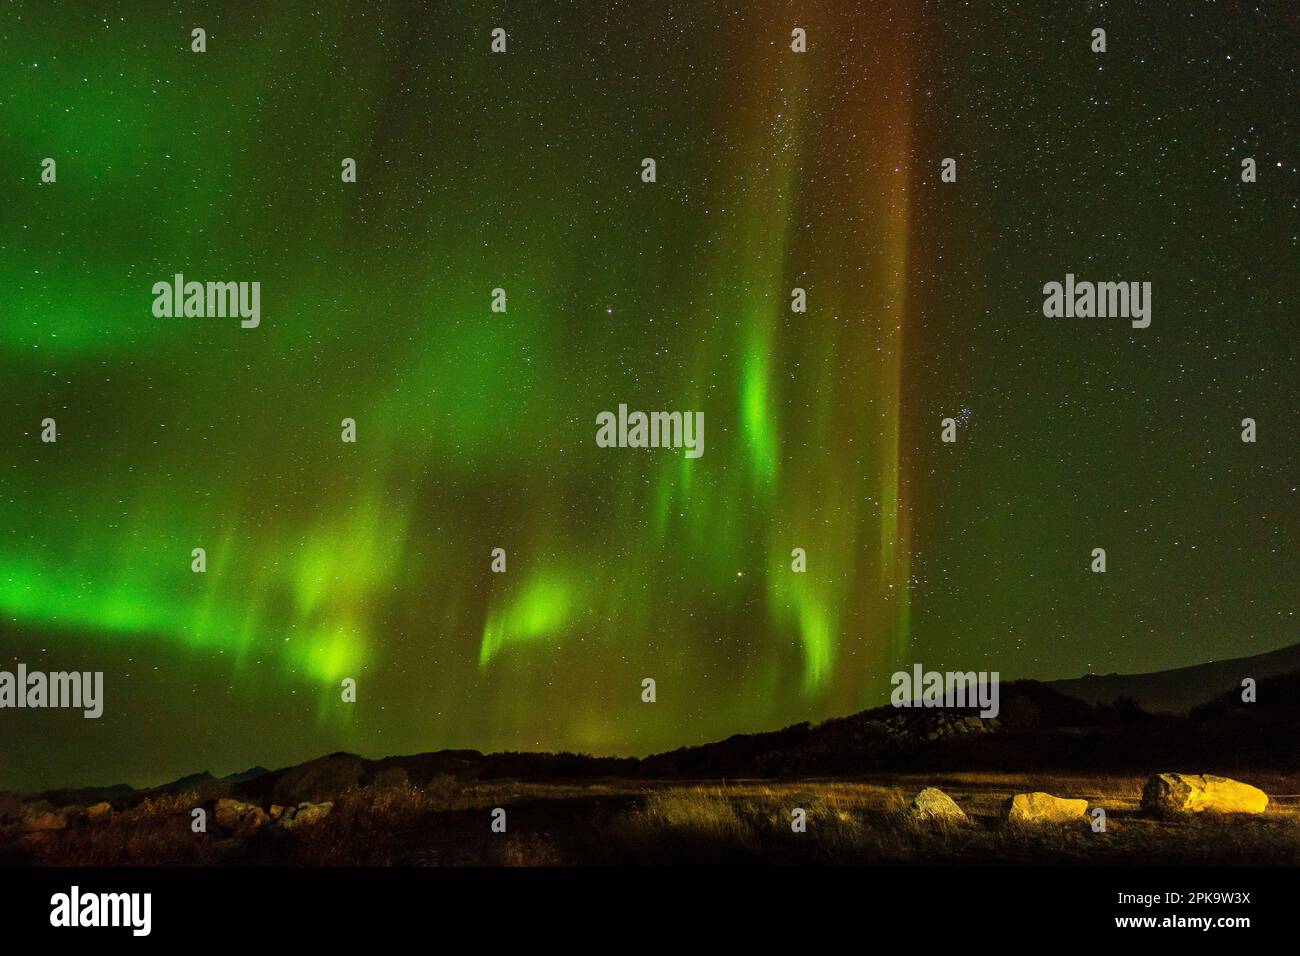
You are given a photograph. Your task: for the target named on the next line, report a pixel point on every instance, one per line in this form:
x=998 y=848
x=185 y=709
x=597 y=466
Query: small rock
x=34 y=820
x=1039 y=807
x=305 y=814
x=933 y=804
x=239 y=818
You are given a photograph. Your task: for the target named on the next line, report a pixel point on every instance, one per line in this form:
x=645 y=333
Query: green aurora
x=476 y=430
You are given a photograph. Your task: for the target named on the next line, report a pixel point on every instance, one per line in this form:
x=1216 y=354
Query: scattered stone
x=1170 y=794
x=37 y=820
x=239 y=818
x=305 y=814
x=1039 y=807
x=933 y=804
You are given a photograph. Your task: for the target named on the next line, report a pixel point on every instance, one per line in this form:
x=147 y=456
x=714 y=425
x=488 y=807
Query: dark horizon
x=1074 y=687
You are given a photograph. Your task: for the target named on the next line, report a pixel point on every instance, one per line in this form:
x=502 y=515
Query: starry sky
x=476 y=430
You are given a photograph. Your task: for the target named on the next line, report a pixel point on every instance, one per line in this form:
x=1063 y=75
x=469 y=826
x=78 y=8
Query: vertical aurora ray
x=708 y=519
x=894 y=539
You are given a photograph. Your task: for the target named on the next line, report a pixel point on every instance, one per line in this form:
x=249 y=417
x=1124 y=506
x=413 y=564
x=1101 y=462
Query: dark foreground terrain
x=733 y=801
x=635 y=822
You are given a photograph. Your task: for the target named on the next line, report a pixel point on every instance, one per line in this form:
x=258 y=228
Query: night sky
x=476 y=430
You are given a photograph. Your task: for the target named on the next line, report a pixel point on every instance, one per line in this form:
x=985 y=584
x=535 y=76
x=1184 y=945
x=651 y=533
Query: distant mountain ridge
x=193 y=781
x=1180 y=690
x=1189 y=716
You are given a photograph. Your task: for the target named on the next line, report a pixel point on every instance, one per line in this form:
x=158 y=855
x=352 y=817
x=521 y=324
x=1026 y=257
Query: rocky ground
x=885 y=785
x=978 y=818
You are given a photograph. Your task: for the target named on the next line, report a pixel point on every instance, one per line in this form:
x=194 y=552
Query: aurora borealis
x=775 y=170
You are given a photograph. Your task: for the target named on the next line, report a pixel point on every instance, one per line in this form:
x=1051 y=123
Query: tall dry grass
x=446 y=823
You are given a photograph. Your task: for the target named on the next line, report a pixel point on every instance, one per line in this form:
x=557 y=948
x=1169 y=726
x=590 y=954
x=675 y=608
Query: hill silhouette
x=1038 y=726
x=1180 y=690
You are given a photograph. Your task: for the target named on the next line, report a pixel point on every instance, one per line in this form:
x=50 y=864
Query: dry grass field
x=614 y=822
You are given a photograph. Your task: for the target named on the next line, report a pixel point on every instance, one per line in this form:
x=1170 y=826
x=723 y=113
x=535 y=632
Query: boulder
x=35 y=820
x=932 y=804
x=1169 y=794
x=1039 y=807
x=305 y=814
x=239 y=818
